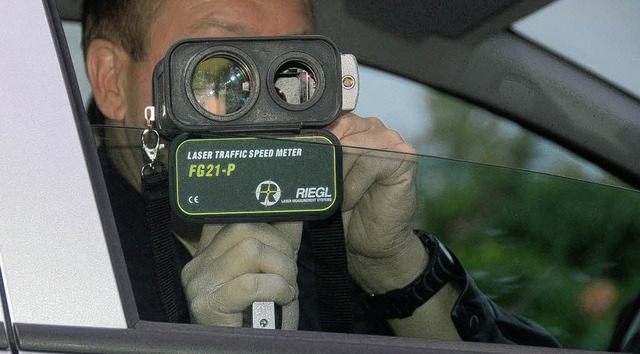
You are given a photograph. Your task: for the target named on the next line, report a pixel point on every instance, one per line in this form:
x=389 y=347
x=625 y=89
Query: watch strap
x=401 y=303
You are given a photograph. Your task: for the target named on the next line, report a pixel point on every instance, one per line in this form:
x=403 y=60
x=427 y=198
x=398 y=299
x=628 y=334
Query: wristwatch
x=401 y=303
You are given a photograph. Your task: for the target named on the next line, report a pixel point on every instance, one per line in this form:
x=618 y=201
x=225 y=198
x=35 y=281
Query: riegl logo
x=268 y=193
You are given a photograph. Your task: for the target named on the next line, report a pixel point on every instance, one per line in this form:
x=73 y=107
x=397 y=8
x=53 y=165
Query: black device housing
x=264 y=113
x=176 y=108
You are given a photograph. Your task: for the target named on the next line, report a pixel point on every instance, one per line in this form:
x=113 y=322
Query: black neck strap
x=155 y=187
x=332 y=274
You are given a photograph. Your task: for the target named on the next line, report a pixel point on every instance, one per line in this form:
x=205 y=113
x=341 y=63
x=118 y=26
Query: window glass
x=435 y=123
x=599 y=35
x=73 y=32
x=559 y=251
x=516 y=231
x=442 y=125
x=555 y=250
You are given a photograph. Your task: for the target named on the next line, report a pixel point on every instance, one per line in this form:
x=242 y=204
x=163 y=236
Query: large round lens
x=221 y=85
x=295 y=83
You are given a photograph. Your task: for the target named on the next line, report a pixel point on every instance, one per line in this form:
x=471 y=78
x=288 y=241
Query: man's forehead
x=239 y=17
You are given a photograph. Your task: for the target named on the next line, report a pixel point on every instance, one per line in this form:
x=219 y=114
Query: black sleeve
x=477 y=318
x=626 y=334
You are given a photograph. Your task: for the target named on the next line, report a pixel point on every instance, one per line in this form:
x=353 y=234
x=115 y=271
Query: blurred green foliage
x=557 y=250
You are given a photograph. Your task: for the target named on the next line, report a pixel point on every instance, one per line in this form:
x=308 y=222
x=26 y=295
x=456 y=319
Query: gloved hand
x=379 y=204
x=238 y=264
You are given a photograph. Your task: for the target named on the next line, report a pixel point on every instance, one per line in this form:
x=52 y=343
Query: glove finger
x=224 y=306
x=372 y=169
x=209 y=231
x=369 y=133
x=229 y=235
x=293 y=230
x=249 y=256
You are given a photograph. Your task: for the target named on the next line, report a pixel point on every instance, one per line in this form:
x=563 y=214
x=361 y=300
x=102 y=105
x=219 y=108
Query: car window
x=600 y=36
x=73 y=33
x=501 y=199
x=471 y=203
x=552 y=249
x=435 y=123
x=443 y=125
x=556 y=250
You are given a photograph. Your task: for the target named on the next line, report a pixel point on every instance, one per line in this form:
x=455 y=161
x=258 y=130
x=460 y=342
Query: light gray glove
x=238 y=264
x=378 y=207
x=379 y=204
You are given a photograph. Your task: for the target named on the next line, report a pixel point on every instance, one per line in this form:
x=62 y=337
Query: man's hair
x=124 y=22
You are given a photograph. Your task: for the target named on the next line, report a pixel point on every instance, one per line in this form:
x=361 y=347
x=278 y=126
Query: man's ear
x=105 y=62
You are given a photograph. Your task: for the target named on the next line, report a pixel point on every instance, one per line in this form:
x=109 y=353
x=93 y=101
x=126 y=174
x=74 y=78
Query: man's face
x=181 y=19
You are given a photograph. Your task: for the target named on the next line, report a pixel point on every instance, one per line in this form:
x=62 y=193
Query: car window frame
x=92 y=160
